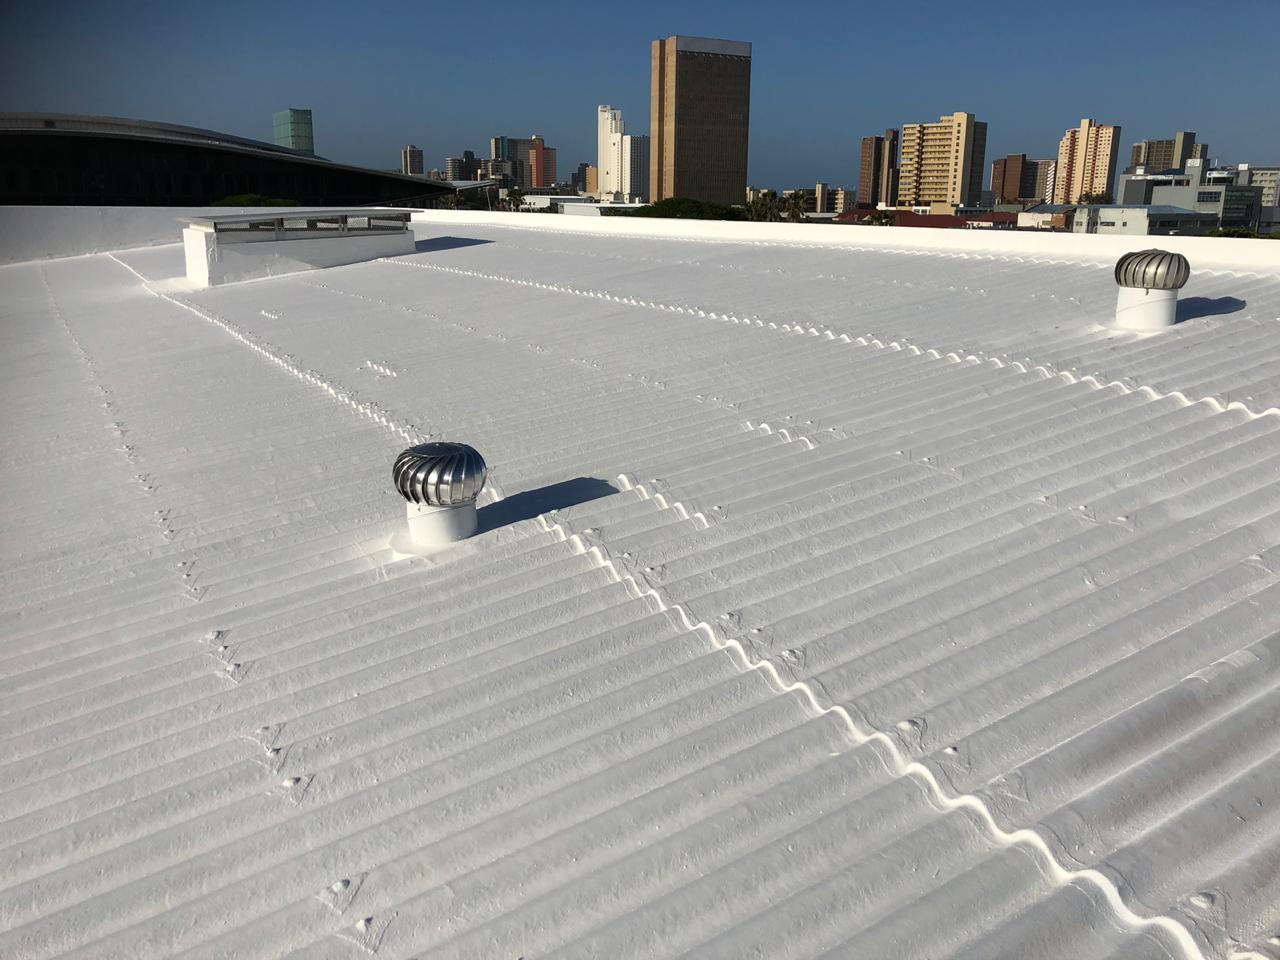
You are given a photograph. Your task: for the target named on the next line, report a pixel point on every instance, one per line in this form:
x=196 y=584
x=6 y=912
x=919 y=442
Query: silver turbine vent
x=1153 y=270
x=1149 y=282
x=440 y=474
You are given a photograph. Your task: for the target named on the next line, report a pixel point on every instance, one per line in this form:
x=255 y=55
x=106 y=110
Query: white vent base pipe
x=434 y=527
x=1139 y=309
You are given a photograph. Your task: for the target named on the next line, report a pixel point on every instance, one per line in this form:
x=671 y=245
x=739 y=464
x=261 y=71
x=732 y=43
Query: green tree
x=684 y=208
x=254 y=200
x=765 y=207
x=1241 y=233
x=793 y=204
x=1096 y=198
x=515 y=198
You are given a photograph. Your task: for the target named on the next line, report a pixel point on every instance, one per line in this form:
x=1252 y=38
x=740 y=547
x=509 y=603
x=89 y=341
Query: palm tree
x=765 y=207
x=515 y=198
x=793 y=203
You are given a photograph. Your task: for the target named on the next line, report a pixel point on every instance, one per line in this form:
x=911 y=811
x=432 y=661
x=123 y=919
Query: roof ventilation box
x=440 y=482
x=229 y=247
x=1149 y=282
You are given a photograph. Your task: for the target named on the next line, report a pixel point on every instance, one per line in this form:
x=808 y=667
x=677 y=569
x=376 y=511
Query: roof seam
x=408 y=432
x=160 y=517
x=787 y=435
x=827 y=333
x=1023 y=838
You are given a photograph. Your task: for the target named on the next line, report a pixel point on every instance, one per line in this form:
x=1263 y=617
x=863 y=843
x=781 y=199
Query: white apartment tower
x=635 y=167
x=609 y=135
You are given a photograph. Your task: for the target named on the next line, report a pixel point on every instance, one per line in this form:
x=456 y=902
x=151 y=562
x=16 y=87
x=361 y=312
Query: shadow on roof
x=445 y=243
x=1192 y=307
x=532 y=503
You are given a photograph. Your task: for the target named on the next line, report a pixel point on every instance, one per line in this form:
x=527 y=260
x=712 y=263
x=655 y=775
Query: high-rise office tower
x=1045 y=175
x=635 y=167
x=1086 y=161
x=1016 y=178
x=542 y=163
x=411 y=160
x=465 y=167
x=700 y=102
x=1006 y=177
x=1157 y=156
x=609 y=133
x=942 y=162
x=292 y=129
x=878 y=169
x=519 y=151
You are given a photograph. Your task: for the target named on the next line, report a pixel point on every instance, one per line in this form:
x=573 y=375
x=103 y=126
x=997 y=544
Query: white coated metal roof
x=827 y=602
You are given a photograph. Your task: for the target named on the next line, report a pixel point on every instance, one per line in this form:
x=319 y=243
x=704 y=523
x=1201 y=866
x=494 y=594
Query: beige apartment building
x=700 y=101
x=1086 y=161
x=943 y=162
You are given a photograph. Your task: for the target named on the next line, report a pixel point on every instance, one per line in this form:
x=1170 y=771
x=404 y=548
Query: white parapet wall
x=1215 y=253
x=231 y=248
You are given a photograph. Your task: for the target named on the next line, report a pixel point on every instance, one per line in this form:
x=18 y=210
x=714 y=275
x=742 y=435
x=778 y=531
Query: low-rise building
x=1046 y=216
x=1268 y=178
x=1225 y=192
x=1143 y=220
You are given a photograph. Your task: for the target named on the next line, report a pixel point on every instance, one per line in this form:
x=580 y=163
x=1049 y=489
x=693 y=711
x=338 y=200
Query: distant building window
x=1208 y=196
x=1106 y=223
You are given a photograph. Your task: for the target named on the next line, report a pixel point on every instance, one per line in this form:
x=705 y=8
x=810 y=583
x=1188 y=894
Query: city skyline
x=809 y=105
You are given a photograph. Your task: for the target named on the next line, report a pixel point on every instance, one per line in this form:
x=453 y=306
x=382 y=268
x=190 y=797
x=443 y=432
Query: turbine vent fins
x=1153 y=270
x=439 y=474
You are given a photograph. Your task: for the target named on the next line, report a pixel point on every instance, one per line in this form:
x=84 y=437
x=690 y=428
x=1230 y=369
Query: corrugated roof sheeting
x=924 y=615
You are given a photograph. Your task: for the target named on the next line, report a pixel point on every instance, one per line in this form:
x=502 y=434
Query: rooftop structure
x=835 y=592
x=230 y=247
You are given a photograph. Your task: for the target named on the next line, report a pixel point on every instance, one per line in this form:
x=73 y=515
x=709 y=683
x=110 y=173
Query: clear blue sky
x=380 y=75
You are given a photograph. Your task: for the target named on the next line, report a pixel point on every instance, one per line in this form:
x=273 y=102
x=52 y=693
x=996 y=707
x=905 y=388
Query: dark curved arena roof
x=52 y=158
